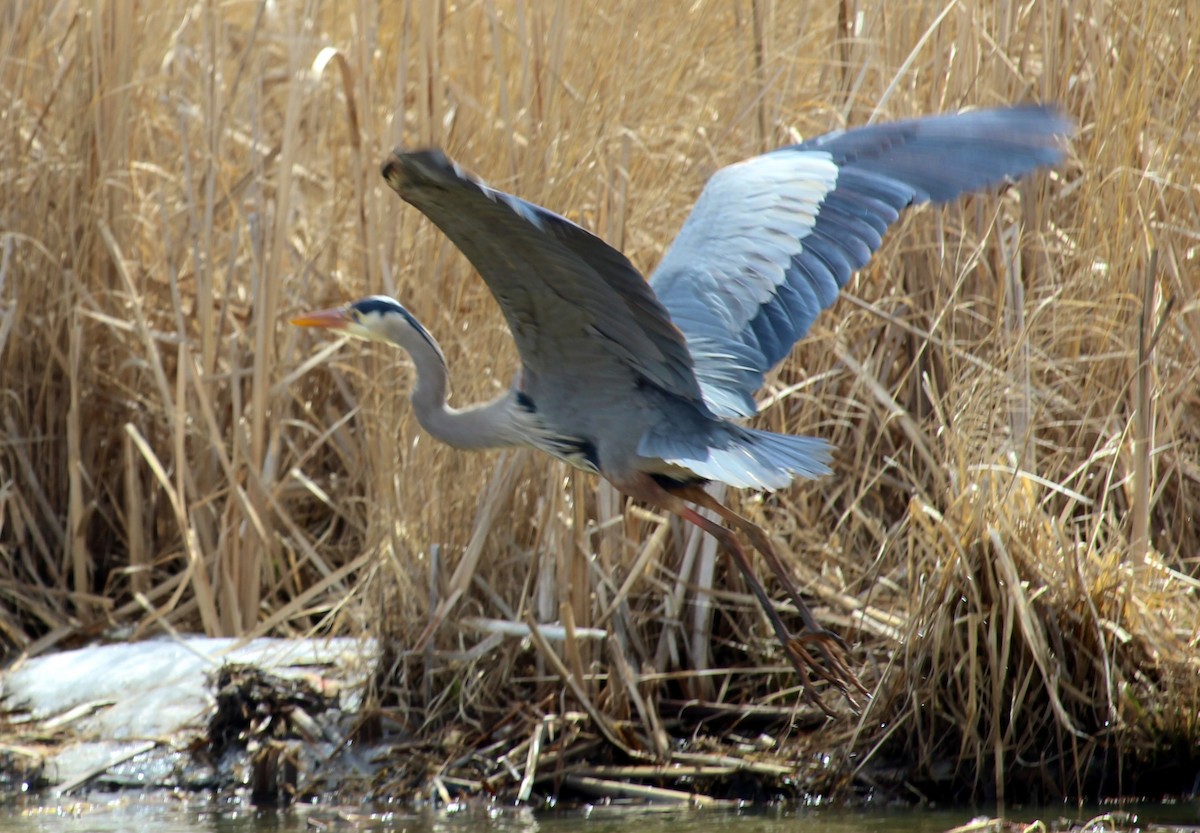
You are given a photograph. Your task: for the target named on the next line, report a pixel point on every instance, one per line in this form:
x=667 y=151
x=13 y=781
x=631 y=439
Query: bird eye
x=353 y=314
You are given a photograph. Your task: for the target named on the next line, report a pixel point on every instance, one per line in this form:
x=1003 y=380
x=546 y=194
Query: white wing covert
x=773 y=239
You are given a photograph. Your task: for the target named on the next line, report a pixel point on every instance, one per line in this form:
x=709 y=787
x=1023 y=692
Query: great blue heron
x=641 y=382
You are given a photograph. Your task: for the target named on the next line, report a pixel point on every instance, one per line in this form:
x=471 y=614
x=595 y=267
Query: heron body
x=645 y=382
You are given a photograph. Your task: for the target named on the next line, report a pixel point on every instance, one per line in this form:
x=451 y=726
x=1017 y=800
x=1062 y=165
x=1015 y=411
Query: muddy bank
x=274 y=721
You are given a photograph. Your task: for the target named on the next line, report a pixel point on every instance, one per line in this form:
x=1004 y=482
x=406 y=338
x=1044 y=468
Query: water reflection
x=174 y=815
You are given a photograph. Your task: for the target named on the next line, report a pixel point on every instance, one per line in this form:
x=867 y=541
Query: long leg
x=646 y=489
x=760 y=541
x=831 y=646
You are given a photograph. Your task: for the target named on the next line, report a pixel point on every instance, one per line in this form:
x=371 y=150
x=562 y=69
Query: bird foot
x=824 y=636
x=829 y=662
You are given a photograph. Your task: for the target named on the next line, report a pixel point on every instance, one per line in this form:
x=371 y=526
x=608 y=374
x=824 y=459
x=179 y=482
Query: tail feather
x=742 y=457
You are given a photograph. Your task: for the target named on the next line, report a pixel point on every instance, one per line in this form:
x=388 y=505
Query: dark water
x=124 y=814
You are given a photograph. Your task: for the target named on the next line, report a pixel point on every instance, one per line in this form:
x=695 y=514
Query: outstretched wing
x=570 y=299
x=773 y=239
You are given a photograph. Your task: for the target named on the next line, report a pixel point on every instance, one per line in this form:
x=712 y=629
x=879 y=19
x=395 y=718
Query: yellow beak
x=332 y=319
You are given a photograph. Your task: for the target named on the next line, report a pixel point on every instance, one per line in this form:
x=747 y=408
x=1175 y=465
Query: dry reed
x=1010 y=538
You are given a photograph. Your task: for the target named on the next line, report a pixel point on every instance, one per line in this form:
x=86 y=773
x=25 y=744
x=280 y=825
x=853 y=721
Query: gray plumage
x=642 y=381
x=637 y=377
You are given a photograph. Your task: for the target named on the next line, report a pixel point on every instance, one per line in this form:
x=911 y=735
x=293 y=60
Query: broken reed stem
x=1139 y=542
x=139 y=565
x=701 y=631
x=79 y=558
x=1020 y=404
x=601 y=721
x=758 y=22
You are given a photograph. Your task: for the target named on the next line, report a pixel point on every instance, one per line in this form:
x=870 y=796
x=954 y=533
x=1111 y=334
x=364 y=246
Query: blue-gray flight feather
x=560 y=287
x=772 y=240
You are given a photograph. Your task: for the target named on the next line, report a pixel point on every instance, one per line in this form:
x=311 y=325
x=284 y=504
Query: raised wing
x=773 y=239
x=570 y=299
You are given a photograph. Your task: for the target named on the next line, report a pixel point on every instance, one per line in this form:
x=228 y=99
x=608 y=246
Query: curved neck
x=488 y=425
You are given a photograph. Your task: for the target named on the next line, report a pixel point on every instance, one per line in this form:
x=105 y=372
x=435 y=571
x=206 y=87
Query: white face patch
x=369 y=326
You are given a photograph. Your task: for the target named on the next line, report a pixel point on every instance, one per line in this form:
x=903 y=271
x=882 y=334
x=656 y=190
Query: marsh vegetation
x=1010 y=539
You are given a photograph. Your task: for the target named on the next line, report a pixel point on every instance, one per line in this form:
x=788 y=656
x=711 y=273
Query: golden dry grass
x=1010 y=537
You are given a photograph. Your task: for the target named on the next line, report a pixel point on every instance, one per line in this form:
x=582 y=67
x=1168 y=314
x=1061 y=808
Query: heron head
x=375 y=318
